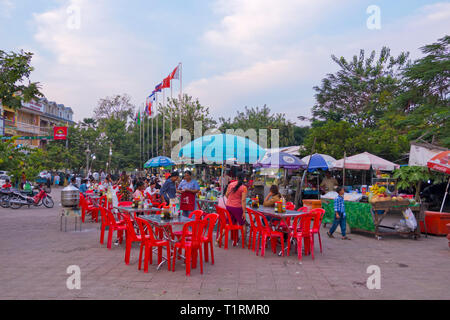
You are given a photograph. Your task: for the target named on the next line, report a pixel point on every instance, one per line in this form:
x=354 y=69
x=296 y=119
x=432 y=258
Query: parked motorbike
x=17 y=199
x=4 y=197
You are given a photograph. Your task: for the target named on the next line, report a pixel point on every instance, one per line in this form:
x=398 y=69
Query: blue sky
x=235 y=53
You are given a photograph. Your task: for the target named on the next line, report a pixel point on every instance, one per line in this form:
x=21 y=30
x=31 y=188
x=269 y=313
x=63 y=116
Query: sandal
x=346 y=238
x=330 y=235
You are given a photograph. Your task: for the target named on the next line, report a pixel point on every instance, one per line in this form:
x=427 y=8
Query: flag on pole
x=148 y=104
x=158 y=88
x=138 y=117
x=175 y=73
x=166 y=83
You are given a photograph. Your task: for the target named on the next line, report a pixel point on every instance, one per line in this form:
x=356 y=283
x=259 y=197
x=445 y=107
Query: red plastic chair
x=191 y=242
x=317 y=224
x=266 y=232
x=208 y=239
x=197 y=214
x=87 y=208
x=290 y=206
x=130 y=237
x=125 y=204
x=150 y=241
x=302 y=231
x=114 y=225
x=226 y=226
x=254 y=230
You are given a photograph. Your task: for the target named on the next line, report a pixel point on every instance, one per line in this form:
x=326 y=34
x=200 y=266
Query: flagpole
x=181 y=90
x=152 y=137
x=143 y=133
x=157 y=129
x=171 y=128
x=140 y=140
x=164 y=125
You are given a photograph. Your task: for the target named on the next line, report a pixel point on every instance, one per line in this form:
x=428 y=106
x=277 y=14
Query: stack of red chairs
x=191 y=243
x=319 y=213
x=149 y=242
x=88 y=208
x=208 y=238
x=113 y=224
x=302 y=231
x=265 y=232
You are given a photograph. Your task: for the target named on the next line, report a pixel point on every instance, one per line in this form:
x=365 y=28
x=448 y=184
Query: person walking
x=340 y=218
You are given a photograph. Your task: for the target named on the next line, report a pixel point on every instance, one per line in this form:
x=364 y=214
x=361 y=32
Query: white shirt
x=149 y=191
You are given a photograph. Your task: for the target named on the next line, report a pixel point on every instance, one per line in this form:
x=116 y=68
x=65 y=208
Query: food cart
x=368 y=207
x=368 y=217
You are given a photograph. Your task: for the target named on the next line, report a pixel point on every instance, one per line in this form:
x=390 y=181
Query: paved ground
x=34 y=256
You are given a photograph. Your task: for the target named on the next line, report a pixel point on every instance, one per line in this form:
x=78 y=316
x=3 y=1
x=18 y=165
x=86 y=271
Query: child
x=83 y=186
x=7 y=185
x=339 y=219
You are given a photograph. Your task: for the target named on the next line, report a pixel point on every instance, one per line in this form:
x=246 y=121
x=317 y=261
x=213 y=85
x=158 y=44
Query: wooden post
x=298 y=193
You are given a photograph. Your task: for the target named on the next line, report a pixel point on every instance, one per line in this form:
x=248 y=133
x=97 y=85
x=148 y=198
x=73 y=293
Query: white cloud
x=6 y=8
x=77 y=67
x=293 y=67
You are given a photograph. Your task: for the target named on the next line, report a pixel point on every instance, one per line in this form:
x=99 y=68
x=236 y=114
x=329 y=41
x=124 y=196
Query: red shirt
x=6 y=186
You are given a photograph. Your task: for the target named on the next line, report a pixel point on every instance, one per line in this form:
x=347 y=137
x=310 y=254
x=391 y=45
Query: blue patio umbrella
x=281 y=160
x=319 y=162
x=219 y=148
x=159 y=162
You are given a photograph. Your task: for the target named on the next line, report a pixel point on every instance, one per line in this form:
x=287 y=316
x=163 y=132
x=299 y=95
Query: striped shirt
x=339 y=206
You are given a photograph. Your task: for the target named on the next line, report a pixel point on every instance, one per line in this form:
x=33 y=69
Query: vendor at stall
x=329 y=183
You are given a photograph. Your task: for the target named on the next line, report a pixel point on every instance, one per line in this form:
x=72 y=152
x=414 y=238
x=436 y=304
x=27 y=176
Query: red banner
x=60 y=133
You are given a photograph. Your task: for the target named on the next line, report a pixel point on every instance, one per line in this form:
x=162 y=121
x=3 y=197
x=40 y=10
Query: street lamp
x=87 y=151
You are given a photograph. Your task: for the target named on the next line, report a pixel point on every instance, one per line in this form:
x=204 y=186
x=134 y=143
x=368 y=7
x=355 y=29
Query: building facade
x=35 y=121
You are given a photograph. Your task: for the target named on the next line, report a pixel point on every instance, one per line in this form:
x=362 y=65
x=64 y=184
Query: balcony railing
x=10 y=123
x=28 y=128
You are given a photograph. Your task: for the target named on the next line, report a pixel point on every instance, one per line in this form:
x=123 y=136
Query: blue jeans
x=341 y=222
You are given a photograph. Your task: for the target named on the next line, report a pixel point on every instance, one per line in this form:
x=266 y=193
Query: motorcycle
x=4 y=197
x=17 y=199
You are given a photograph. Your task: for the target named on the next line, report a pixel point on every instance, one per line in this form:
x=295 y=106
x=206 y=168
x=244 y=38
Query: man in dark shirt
x=169 y=189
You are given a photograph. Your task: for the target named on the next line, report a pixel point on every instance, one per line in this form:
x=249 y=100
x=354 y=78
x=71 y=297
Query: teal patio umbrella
x=159 y=162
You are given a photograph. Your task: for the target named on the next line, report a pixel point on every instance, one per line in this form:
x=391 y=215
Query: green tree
x=426 y=100
x=362 y=90
x=413 y=177
x=15 y=84
x=262 y=118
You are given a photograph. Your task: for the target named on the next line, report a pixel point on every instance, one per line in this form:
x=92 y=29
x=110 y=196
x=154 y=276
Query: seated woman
x=152 y=193
x=273 y=197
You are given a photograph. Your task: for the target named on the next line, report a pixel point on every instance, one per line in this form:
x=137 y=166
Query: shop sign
x=35 y=106
x=59 y=133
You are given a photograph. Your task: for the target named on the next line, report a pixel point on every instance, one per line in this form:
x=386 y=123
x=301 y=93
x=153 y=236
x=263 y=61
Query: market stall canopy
x=319 y=161
x=440 y=162
x=364 y=161
x=293 y=150
x=281 y=160
x=159 y=162
x=421 y=152
x=222 y=147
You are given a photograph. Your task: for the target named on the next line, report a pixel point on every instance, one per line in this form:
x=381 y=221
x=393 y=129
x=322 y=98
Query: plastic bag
x=115 y=200
x=411 y=221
